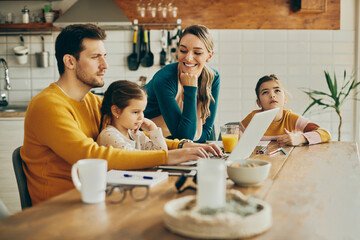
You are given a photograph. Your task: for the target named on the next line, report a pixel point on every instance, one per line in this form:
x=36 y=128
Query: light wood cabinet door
x=11 y=137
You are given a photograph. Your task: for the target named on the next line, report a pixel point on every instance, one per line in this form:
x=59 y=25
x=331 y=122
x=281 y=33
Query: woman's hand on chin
x=188 y=79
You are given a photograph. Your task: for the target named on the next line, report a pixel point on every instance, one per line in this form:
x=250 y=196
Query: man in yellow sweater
x=62 y=122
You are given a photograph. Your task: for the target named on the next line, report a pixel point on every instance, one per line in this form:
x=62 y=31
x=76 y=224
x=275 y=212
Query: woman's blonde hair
x=207 y=75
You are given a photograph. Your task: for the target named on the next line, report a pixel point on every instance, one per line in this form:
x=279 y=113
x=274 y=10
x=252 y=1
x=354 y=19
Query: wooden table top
x=314 y=192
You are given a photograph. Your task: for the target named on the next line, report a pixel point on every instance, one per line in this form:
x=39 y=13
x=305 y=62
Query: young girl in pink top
x=288 y=128
x=123 y=115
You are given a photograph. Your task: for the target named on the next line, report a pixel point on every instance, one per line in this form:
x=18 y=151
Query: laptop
x=252 y=134
x=246 y=144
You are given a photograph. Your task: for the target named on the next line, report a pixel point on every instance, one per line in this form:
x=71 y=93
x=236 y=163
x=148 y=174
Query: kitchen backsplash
x=297 y=57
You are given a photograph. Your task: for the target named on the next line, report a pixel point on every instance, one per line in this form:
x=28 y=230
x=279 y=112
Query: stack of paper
x=135 y=177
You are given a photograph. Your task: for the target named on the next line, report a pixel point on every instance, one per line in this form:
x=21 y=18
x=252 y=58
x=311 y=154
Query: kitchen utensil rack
x=160 y=25
x=24 y=33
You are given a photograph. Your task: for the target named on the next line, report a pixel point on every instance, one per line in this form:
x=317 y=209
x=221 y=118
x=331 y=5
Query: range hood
x=104 y=13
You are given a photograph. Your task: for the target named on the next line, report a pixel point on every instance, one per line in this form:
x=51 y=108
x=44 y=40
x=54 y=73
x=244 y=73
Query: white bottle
x=211 y=182
x=25 y=15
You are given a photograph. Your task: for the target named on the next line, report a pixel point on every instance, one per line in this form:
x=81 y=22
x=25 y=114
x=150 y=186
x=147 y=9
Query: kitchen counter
x=13 y=110
x=12 y=114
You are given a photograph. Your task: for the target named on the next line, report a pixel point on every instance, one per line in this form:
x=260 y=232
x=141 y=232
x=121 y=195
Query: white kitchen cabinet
x=11 y=137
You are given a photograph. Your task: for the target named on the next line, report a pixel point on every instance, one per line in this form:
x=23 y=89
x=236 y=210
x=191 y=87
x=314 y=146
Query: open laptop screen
x=252 y=134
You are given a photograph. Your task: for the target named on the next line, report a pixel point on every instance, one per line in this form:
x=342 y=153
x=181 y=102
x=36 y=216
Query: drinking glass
x=229 y=136
x=162 y=10
x=151 y=9
x=140 y=8
x=172 y=9
x=211 y=180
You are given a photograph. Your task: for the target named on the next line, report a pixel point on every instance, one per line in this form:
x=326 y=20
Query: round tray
x=188 y=221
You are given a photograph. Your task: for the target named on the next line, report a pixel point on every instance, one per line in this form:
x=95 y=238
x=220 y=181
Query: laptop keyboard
x=191 y=163
x=225 y=156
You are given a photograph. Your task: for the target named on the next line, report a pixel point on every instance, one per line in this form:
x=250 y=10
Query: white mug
x=21 y=54
x=211 y=183
x=92 y=182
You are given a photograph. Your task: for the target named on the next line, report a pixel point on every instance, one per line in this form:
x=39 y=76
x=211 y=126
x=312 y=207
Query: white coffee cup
x=92 y=182
x=21 y=54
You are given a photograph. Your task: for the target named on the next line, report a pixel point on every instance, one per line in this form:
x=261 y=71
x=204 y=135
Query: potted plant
x=335 y=98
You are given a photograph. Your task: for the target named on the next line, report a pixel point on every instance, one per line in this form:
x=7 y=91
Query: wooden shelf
x=21 y=27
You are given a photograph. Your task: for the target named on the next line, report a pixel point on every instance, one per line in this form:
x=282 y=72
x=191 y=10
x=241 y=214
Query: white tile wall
x=298 y=57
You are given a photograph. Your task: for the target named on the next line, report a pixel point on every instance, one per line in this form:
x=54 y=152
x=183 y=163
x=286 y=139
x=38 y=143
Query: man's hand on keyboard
x=212 y=148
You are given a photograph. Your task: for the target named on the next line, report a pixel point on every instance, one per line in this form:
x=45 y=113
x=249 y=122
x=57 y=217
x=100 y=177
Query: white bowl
x=244 y=175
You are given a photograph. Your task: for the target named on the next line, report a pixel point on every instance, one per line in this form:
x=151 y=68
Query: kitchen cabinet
x=312 y=6
x=11 y=137
x=248 y=14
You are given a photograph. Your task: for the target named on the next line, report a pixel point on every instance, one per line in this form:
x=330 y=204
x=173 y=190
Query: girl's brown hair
x=120 y=93
x=207 y=75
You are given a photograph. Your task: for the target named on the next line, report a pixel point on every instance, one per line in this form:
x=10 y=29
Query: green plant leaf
x=329 y=82
x=335 y=87
x=352 y=86
x=335 y=97
x=321 y=93
x=310 y=106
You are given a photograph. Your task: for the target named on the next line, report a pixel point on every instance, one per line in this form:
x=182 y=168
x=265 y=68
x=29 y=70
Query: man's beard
x=89 y=81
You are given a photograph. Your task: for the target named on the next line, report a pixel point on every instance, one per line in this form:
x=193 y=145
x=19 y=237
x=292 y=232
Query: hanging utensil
x=168 y=54
x=132 y=59
x=42 y=58
x=151 y=55
x=163 y=47
x=142 y=46
x=147 y=60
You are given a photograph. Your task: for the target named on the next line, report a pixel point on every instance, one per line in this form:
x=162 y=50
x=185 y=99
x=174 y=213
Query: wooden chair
x=21 y=179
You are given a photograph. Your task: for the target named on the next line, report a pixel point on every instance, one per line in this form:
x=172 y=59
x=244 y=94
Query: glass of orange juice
x=229 y=136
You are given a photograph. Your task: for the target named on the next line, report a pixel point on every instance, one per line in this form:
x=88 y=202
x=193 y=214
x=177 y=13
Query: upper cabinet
x=246 y=14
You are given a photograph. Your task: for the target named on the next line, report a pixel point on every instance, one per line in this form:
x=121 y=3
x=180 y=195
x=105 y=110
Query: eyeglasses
x=180 y=183
x=117 y=193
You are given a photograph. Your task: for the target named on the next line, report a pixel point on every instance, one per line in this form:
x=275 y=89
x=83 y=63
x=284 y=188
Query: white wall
x=297 y=57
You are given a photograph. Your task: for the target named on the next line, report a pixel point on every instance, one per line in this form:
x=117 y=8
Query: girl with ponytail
x=122 y=116
x=183 y=96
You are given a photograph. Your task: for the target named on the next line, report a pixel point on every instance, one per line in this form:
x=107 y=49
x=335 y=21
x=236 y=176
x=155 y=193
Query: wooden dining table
x=314 y=192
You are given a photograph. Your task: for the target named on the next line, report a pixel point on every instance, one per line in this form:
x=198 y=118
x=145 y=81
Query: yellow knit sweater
x=59 y=131
x=293 y=123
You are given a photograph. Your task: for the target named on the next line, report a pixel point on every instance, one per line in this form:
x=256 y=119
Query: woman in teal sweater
x=183 y=96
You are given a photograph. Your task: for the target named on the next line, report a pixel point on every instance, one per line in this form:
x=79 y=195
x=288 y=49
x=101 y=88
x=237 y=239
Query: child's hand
x=188 y=79
x=148 y=125
x=291 y=139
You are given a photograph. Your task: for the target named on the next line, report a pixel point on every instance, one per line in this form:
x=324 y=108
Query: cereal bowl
x=248 y=172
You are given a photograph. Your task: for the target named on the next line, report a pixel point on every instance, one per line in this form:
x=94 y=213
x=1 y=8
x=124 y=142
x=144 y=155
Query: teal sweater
x=161 y=91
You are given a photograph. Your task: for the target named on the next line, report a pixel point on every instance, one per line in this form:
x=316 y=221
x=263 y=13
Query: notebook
x=252 y=134
x=135 y=177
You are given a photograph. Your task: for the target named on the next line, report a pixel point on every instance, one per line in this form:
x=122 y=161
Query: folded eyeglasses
x=117 y=193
